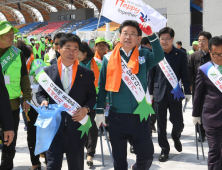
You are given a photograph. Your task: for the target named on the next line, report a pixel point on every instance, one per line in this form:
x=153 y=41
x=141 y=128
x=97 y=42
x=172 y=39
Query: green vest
x=37 y=52
x=26 y=41
x=14 y=41
x=42 y=45
x=46 y=58
x=190 y=52
x=14 y=71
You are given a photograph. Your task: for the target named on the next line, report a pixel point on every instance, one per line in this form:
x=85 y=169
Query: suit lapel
x=173 y=57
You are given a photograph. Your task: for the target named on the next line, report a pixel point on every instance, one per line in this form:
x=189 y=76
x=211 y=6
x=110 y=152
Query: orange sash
x=114 y=68
x=95 y=70
x=29 y=62
x=97 y=55
x=74 y=69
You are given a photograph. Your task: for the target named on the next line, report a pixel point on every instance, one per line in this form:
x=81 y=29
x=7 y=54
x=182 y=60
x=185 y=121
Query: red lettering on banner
x=217 y=82
x=136 y=92
x=168 y=75
x=123 y=71
x=127 y=6
x=126 y=78
x=220 y=87
x=130 y=82
x=59 y=100
x=48 y=90
x=52 y=93
x=66 y=106
x=133 y=87
x=163 y=68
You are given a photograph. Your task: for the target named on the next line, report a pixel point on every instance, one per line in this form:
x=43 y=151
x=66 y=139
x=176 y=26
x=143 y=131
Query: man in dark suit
x=195 y=60
x=179 y=46
x=6 y=118
x=212 y=109
x=160 y=89
x=67 y=139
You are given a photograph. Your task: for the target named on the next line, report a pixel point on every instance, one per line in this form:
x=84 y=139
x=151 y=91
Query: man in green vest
x=195 y=48
x=42 y=45
x=17 y=82
x=37 y=50
x=15 y=38
x=25 y=39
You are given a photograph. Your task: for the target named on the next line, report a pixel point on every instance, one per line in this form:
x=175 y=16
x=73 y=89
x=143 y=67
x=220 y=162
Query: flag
x=121 y=10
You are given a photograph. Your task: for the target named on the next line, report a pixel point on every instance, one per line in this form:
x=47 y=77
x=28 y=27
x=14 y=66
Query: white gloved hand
x=151 y=97
x=196 y=120
x=188 y=96
x=100 y=118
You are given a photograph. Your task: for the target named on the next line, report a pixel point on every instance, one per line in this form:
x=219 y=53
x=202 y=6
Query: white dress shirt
x=129 y=53
x=70 y=74
x=216 y=66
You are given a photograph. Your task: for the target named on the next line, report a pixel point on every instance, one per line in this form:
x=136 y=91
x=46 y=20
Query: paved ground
x=186 y=160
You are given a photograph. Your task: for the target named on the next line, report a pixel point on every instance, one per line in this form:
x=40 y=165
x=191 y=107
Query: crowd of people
x=134 y=76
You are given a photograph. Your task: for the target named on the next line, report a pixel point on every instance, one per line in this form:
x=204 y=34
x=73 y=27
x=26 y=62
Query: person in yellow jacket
x=17 y=82
x=25 y=39
x=37 y=50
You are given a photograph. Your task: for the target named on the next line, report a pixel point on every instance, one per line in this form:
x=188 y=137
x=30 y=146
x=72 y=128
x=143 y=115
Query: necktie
x=220 y=69
x=65 y=81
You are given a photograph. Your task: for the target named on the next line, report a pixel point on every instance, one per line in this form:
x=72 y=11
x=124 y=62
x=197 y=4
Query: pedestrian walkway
x=186 y=160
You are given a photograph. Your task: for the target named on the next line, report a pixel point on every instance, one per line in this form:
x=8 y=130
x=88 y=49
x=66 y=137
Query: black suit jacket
x=158 y=83
x=6 y=118
x=83 y=91
x=209 y=97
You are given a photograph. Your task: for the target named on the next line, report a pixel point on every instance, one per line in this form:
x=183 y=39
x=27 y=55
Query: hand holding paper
x=80 y=114
x=145 y=27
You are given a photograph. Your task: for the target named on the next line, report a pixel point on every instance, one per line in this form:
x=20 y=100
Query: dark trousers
x=214 y=138
x=124 y=126
x=8 y=152
x=91 y=141
x=73 y=146
x=23 y=113
x=201 y=125
x=176 y=118
x=31 y=136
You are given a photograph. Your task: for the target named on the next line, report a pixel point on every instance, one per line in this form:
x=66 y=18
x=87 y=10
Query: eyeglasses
x=167 y=39
x=217 y=55
x=56 y=43
x=130 y=35
x=203 y=41
x=70 y=50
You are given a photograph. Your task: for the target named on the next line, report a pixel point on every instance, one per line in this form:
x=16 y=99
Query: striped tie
x=65 y=81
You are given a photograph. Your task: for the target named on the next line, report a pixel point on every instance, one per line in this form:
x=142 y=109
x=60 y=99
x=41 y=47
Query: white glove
x=151 y=97
x=195 y=120
x=100 y=118
x=188 y=96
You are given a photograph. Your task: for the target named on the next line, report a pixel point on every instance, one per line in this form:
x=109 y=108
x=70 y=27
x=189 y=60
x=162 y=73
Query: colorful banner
x=61 y=98
x=172 y=78
x=136 y=88
x=121 y=10
x=213 y=74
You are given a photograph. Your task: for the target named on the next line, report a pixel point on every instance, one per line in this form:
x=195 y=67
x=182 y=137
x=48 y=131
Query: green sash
x=9 y=57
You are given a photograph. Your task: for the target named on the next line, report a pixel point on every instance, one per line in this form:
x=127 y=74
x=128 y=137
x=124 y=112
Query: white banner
x=121 y=10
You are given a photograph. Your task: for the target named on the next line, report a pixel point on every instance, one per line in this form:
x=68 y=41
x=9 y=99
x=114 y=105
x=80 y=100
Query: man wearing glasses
x=208 y=96
x=161 y=89
x=52 y=56
x=124 y=124
x=195 y=60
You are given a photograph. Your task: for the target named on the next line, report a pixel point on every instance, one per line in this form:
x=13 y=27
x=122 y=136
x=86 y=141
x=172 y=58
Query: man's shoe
x=25 y=128
x=89 y=161
x=203 y=139
x=178 y=145
x=131 y=149
x=163 y=157
x=132 y=166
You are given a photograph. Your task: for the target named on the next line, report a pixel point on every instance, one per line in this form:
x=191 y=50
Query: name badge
x=7 y=79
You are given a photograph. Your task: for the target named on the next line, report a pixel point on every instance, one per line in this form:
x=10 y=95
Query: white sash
x=58 y=95
x=172 y=78
x=213 y=74
x=133 y=82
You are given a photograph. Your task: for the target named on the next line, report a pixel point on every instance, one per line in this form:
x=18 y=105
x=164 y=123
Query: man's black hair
x=145 y=41
x=179 y=43
x=42 y=37
x=108 y=46
x=69 y=38
x=58 y=35
x=32 y=39
x=216 y=41
x=130 y=23
x=24 y=48
x=166 y=30
x=84 y=47
x=205 y=34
